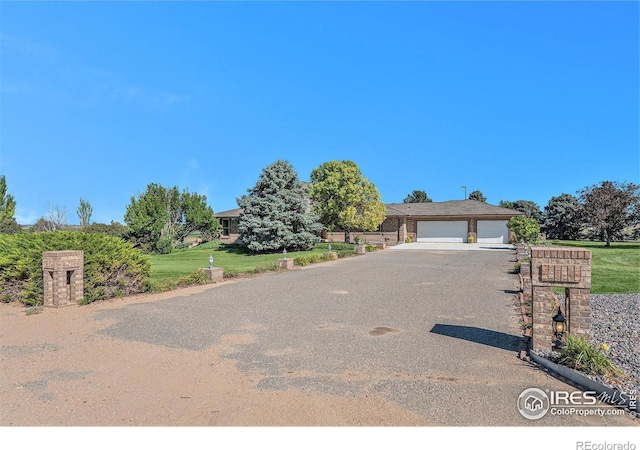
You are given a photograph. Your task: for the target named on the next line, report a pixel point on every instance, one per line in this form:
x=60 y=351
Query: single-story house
x=451 y=221
x=229 y=222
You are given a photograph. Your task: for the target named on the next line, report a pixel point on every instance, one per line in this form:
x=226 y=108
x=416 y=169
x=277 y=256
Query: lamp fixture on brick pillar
x=559 y=328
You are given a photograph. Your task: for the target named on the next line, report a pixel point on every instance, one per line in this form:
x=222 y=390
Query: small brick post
x=284 y=263
x=63 y=277
x=215 y=274
x=566 y=267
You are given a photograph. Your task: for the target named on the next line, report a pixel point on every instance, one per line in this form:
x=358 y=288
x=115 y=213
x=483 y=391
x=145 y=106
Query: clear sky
x=521 y=100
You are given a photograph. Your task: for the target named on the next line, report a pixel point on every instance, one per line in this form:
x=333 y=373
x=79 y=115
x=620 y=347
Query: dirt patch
x=58 y=370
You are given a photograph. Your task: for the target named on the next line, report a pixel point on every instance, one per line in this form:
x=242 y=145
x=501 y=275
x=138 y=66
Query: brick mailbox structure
x=566 y=267
x=62 y=274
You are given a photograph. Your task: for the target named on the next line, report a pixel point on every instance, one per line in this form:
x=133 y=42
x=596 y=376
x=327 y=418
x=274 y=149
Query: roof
x=464 y=208
x=230 y=213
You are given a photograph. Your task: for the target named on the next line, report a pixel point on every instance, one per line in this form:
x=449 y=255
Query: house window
x=225 y=227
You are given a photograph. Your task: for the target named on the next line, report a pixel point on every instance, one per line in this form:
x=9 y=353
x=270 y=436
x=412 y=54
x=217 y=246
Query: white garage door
x=442 y=231
x=493 y=232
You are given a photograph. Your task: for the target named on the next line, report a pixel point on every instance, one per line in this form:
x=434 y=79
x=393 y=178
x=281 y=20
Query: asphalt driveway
x=434 y=332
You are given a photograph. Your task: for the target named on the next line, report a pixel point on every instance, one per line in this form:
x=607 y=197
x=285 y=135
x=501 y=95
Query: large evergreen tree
x=561 y=217
x=477 y=195
x=529 y=208
x=417 y=196
x=345 y=199
x=276 y=212
x=7 y=204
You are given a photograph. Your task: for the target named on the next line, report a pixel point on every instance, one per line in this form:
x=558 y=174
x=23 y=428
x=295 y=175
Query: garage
x=493 y=232
x=442 y=231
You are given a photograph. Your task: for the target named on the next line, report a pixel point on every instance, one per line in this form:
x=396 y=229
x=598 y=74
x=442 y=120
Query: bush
x=524 y=229
x=197 y=277
x=408 y=240
x=111 y=265
x=164 y=246
x=306 y=260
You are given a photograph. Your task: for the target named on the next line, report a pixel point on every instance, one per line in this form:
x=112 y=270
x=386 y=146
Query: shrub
x=471 y=240
x=230 y=273
x=408 y=240
x=309 y=259
x=345 y=253
x=196 y=277
x=164 y=246
x=261 y=268
x=371 y=248
x=110 y=264
x=525 y=229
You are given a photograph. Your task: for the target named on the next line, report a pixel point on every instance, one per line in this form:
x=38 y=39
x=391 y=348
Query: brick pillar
x=63 y=277
x=543 y=309
x=402 y=230
x=559 y=267
x=578 y=310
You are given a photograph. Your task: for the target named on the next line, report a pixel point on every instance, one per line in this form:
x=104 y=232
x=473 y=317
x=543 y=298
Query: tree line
x=282 y=212
x=279 y=212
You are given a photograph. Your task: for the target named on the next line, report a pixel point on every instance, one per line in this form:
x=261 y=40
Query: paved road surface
x=434 y=333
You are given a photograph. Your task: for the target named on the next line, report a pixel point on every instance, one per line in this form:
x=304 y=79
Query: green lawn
x=614 y=269
x=233 y=259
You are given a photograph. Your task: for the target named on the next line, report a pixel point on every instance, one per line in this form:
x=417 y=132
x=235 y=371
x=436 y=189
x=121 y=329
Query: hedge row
x=112 y=267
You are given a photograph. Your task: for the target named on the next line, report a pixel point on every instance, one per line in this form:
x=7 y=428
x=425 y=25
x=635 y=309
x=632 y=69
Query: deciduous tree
x=610 y=207
x=161 y=216
x=84 y=213
x=276 y=212
x=345 y=199
x=56 y=217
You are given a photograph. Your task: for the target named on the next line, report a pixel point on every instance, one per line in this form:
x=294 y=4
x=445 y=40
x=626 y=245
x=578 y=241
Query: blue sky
x=521 y=100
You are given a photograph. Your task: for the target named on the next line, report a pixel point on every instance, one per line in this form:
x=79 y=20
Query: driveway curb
x=617 y=397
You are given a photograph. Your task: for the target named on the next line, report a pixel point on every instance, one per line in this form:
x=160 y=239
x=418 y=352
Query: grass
x=615 y=269
x=233 y=259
